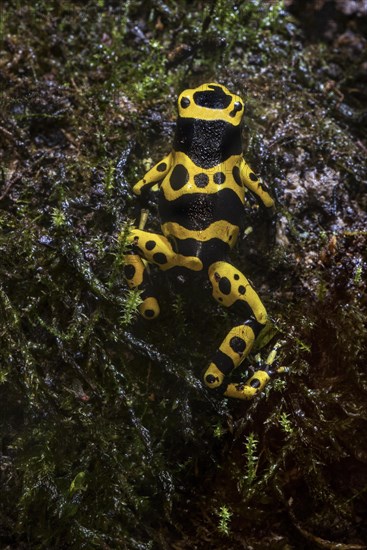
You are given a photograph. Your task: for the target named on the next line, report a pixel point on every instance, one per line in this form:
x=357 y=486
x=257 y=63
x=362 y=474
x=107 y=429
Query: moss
x=108 y=437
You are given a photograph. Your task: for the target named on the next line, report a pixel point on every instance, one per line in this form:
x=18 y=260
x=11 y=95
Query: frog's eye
x=185 y=102
x=237 y=107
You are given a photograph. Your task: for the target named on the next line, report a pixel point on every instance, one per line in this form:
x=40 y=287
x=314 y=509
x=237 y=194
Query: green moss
x=108 y=437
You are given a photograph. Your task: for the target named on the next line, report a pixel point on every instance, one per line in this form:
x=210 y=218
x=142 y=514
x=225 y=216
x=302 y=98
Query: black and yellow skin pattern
x=202 y=185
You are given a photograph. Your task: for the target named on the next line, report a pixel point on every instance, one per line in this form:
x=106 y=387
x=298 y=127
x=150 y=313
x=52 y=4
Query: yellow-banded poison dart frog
x=202 y=184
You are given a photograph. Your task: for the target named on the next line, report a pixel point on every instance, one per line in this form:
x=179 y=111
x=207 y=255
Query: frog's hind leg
x=137 y=277
x=233 y=290
x=155 y=249
x=256 y=383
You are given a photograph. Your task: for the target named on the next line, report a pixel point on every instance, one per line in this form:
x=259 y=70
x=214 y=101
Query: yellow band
x=221 y=229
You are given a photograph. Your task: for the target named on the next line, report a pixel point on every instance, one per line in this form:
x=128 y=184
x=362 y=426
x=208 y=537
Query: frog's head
x=211 y=101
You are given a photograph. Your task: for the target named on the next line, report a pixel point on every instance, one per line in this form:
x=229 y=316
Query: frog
x=202 y=186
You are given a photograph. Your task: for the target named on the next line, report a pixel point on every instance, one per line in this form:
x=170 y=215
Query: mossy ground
x=108 y=438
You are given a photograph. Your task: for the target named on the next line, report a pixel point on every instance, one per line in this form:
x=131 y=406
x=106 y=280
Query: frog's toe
x=149 y=308
x=213 y=377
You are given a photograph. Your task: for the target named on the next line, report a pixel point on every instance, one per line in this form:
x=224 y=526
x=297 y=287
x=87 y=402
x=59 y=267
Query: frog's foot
x=254 y=385
x=249 y=389
x=157 y=249
x=230 y=354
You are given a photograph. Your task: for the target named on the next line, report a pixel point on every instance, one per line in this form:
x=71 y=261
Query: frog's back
x=201 y=198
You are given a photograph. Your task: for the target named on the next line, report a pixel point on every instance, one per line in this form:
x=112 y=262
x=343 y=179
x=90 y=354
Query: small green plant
x=145 y=87
x=358 y=273
x=219 y=431
x=122 y=241
x=272 y=15
x=119 y=252
x=58 y=218
x=224 y=515
x=78 y=484
x=109 y=178
x=3 y=376
x=248 y=478
x=323 y=236
x=179 y=309
x=303 y=346
x=251 y=458
x=132 y=302
x=285 y=423
x=277 y=385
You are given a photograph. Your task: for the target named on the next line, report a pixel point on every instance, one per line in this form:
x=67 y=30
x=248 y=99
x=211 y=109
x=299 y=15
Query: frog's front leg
x=233 y=290
x=154 y=175
x=250 y=180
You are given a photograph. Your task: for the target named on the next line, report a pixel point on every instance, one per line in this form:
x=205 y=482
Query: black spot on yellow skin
x=179 y=177
x=236 y=175
x=162 y=167
x=219 y=178
x=211 y=379
x=224 y=285
x=255 y=383
x=201 y=180
x=253 y=177
x=241 y=290
x=149 y=313
x=149 y=308
x=160 y=258
x=237 y=344
x=149 y=245
x=236 y=276
x=129 y=271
